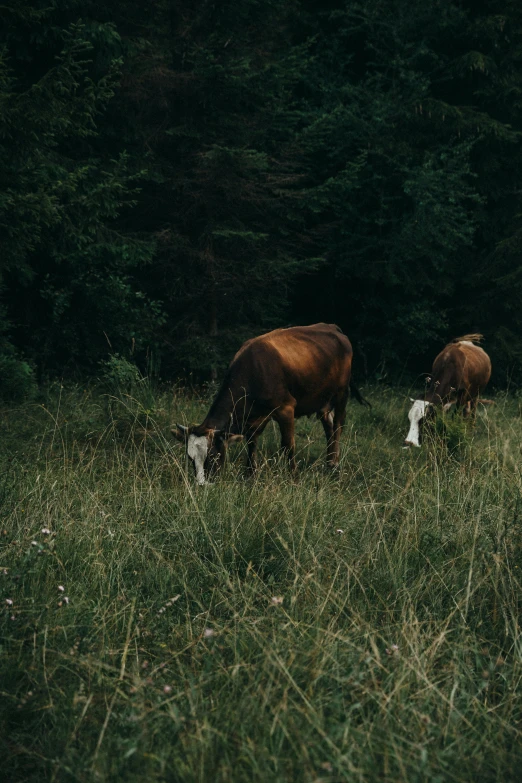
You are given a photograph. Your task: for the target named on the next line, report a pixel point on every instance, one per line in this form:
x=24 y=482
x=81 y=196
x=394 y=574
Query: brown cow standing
x=459 y=373
x=280 y=375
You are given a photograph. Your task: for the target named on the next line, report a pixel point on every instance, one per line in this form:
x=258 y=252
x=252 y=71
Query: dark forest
x=179 y=175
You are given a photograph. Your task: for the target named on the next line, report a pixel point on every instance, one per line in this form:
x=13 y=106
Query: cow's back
x=461 y=366
x=306 y=363
x=477 y=364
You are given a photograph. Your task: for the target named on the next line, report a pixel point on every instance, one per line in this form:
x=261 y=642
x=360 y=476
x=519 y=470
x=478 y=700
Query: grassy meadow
x=362 y=626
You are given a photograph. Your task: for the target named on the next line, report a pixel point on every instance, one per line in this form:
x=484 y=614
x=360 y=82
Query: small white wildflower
x=9 y=601
x=339 y=530
x=46 y=531
x=61 y=588
x=393 y=649
x=277 y=599
x=5 y=572
x=34 y=543
x=167 y=688
x=65 y=599
x=208 y=633
x=13 y=617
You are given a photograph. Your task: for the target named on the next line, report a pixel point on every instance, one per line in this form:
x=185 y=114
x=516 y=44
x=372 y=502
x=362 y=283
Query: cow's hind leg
x=339 y=418
x=467 y=403
x=285 y=418
x=470 y=410
x=327 y=420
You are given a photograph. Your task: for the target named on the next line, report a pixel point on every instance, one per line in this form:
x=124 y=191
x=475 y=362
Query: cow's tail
x=468 y=338
x=358 y=396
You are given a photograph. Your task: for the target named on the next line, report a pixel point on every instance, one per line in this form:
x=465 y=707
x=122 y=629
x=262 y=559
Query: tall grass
x=359 y=626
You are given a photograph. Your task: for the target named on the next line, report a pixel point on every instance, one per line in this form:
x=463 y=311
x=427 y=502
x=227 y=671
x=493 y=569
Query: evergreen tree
x=211 y=86
x=65 y=267
x=181 y=175
x=406 y=129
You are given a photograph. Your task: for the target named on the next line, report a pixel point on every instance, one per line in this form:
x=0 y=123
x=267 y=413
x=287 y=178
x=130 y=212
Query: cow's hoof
x=335 y=469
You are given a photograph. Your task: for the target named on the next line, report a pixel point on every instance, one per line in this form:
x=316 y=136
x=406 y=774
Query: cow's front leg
x=286 y=421
x=252 y=435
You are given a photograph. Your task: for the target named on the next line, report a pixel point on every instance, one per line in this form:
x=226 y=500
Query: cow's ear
x=180 y=432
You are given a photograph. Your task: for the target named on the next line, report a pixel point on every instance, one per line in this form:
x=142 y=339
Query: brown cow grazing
x=280 y=375
x=458 y=375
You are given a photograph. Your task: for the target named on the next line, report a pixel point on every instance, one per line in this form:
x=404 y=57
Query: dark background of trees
x=178 y=175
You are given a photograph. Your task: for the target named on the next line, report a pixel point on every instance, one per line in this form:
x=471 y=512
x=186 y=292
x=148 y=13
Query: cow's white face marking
x=197 y=449
x=416 y=413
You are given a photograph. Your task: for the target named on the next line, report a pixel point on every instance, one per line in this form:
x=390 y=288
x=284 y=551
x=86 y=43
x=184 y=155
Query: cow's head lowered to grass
x=206 y=448
x=417 y=414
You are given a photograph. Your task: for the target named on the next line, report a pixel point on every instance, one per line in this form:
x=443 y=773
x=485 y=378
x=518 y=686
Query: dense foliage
x=177 y=176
